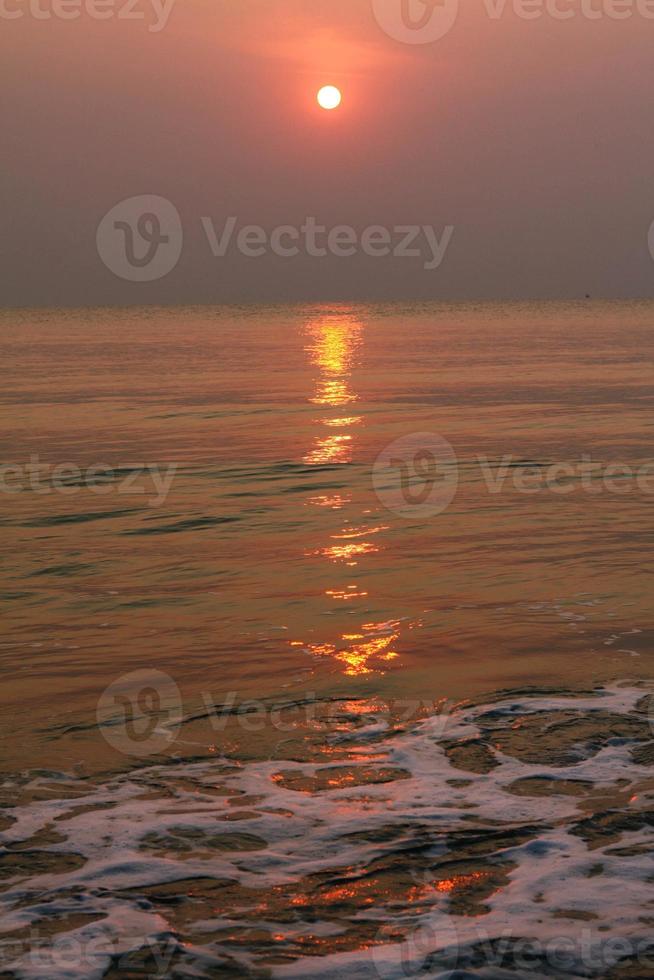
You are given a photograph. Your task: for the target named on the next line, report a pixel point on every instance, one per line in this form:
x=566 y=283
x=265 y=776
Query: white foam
x=552 y=870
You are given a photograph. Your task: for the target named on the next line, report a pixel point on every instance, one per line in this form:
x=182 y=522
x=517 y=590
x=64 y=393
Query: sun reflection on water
x=349 y=533
x=332 y=449
x=334 y=501
x=364 y=652
x=334 y=345
x=346 y=552
x=348 y=420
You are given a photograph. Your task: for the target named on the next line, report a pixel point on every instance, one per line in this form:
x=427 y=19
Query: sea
x=326 y=646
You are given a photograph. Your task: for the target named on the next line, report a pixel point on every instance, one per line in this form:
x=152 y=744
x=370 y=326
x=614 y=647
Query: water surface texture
x=279 y=700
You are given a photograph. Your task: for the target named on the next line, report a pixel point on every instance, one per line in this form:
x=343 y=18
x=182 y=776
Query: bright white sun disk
x=329 y=97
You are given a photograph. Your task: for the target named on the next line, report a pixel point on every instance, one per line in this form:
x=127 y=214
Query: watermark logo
x=141 y=238
x=417 y=475
x=140 y=713
x=416 y=21
x=86 y=952
x=152 y=481
x=650 y=240
x=434 y=949
x=423 y=242
x=412 y=957
x=427 y=21
x=155 y=12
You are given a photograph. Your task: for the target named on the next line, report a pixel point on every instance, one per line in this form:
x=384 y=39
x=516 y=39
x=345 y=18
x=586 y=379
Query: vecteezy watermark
x=140 y=713
x=437 y=947
x=417 y=475
x=570 y=9
x=92 y=950
x=155 y=12
x=416 y=21
x=412 y=956
x=586 y=474
x=69 y=479
x=343 y=241
x=312 y=711
x=140 y=239
x=427 y=21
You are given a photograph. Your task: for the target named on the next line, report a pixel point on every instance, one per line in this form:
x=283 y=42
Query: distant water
x=326 y=646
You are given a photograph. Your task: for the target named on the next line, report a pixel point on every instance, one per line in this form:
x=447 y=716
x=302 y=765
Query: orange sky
x=532 y=138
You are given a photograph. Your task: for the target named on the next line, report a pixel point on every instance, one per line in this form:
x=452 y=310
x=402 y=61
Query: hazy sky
x=533 y=138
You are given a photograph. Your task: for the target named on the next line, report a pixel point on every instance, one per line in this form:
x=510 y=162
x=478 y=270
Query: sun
x=329 y=97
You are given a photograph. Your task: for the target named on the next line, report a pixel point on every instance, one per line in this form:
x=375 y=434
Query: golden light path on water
x=334 y=345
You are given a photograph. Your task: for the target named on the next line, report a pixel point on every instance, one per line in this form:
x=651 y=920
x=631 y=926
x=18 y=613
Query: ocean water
x=326 y=641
